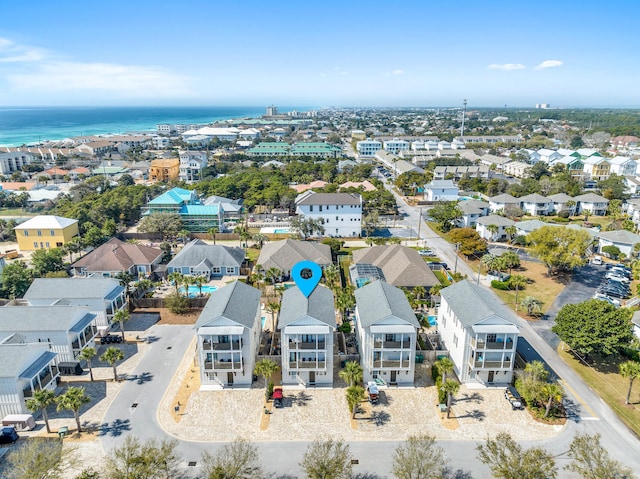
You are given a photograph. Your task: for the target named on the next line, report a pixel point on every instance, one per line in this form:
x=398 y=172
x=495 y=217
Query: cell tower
x=464 y=113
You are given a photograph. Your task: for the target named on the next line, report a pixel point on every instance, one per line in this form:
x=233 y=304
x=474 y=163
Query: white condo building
x=341 y=213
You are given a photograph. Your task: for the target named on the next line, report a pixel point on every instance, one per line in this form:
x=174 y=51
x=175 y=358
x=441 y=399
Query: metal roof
x=318 y=307
x=237 y=302
x=379 y=301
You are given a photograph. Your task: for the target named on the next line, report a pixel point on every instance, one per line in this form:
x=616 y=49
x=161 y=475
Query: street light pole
x=479 y=269
x=419 y=223
x=455 y=267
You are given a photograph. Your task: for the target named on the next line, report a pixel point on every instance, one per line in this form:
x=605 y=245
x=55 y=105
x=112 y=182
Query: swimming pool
x=282 y=230
x=432 y=320
x=194 y=290
x=264 y=320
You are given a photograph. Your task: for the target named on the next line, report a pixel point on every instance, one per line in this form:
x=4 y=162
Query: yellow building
x=164 y=170
x=45 y=231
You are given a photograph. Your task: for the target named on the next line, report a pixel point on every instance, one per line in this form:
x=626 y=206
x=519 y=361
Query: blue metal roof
x=175 y=196
x=115 y=293
x=199 y=210
x=83 y=323
x=38 y=365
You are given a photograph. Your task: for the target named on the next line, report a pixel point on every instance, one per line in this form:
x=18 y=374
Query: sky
x=326 y=53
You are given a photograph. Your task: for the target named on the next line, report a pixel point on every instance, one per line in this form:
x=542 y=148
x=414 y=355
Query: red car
x=278 y=397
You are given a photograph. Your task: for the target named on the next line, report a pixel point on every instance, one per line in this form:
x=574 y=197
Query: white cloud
x=10 y=52
x=397 y=72
x=506 y=66
x=125 y=79
x=549 y=64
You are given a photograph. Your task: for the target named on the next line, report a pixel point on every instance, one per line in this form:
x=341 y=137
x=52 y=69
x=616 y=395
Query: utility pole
x=464 y=113
x=479 y=269
x=419 y=223
x=455 y=268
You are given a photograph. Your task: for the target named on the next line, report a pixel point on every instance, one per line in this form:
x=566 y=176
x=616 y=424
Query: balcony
x=293 y=345
x=308 y=365
x=490 y=364
x=230 y=346
x=492 y=345
x=391 y=344
x=392 y=363
x=216 y=365
x=75 y=345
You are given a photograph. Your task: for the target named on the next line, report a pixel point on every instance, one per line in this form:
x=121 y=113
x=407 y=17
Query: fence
x=153 y=303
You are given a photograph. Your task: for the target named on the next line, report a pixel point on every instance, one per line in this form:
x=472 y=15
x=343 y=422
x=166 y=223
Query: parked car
x=617 y=277
x=597 y=260
x=513 y=396
x=373 y=392
x=426 y=252
x=8 y=435
x=278 y=397
x=613 y=292
x=608 y=299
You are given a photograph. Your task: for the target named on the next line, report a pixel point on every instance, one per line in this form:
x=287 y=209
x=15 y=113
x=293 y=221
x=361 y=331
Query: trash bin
x=419 y=358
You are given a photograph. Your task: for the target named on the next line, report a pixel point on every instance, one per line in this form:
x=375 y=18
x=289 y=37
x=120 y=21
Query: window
x=39 y=232
x=311 y=208
x=52 y=233
x=319 y=207
x=47 y=244
x=35 y=244
x=26 y=232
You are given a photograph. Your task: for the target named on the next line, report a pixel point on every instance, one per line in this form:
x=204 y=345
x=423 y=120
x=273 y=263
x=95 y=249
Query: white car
x=617 y=277
x=596 y=260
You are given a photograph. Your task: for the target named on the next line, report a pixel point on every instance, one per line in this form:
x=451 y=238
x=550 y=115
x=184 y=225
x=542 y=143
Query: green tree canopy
x=16 y=278
x=446 y=213
x=47 y=261
x=327 y=459
x=419 y=458
x=592 y=461
x=594 y=327
x=167 y=224
x=144 y=460
x=470 y=241
x=559 y=248
x=238 y=460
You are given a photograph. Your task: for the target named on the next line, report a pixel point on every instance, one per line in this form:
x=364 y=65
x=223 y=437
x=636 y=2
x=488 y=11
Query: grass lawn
x=610 y=386
x=252 y=254
x=444 y=281
x=14 y=212
x=540 y=286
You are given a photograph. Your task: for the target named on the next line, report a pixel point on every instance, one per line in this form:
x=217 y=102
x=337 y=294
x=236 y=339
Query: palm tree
x=188 y=280
x=554 y=393
x=184 y=235
x=41 y=400
x=112 y=355
x=355 y=395
x=451 y=387
x=510 y=260
x=242 y=232
x=272 y=308
x=213 y=231
x=72 y=400
x=419 y=291
x=73 y=246
x=199 y=281
x=631 y=370
x=272 y=275
x=331 y=275
x=445 y=365
x=493 y=229
x=351 y=373
x=259 y=239
x=345 y=299
x=517 y=281
x=176 y=278
x=121 y=316
x=511 y=232
x=87 y=354
x=435 y=291
x=531 y=304
x=266 y=368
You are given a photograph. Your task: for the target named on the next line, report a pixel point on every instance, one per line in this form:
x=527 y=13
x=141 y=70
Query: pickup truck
x=513 y=396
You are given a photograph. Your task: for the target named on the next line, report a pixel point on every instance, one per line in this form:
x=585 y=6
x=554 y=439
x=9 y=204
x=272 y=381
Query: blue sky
x=366 y=53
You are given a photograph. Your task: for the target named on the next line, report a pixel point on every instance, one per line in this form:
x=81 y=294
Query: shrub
x=422 y=344
x=177 y=304
x=270 y=390
x=564 y=214
x=561 y=219
x=435 y=372
x=501 y=285
x=345 y=327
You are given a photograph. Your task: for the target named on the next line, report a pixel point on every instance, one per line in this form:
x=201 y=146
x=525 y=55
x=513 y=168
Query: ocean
x=20 y=126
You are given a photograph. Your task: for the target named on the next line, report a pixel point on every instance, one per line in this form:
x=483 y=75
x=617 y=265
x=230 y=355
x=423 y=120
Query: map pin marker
x=306 y=275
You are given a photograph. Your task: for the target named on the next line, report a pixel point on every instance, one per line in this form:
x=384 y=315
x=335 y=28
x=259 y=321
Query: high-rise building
x=272 y=110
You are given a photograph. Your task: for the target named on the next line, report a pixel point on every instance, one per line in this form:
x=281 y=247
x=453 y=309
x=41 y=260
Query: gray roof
x=401 y=266
x=328 y=199
x=286 y=253
x=76 y=288
x=473 y=304
x=534 y=198
x=620 y=236
x=44 y=318
x=296 y=307
x=591 y=198
x=440 y=184
x=197 y=251
x=379 y=301
x=237 y=302
x=635 y=319
x=17 y=358
x=495 y=220
x=531 y=225
x=470 y=207
x=560 y=198
x=504 y=198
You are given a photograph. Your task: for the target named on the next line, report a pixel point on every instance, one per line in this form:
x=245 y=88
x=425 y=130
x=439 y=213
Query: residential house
x=459 y=172
x=471 y=211
x=485 y=223
x=191 y=165
x=346 y=165
x=196 y=216
x=66 y=330
x=280 y=148
x=283 y=255
x=632 y=185
x=562 y=202
x=198 y=258
x=341 y=213
x=228 y=335
x=503 y=202
x=535 y=204
x=45 y=231
x=387 y=328
x=517 y=169
x=231 y=209
x=574 y=165
x=395 y=146
x=24 y=369
x=97 y=148
x=623 y=239
x=623 y=166
x=103 y=296
x=591 y=203
x=13 y=161
x=545 y=155
x=625 y=142
x=307 y=326
x=478 y=330
x=316 y=149
x=164 y=170
x=400 y=266
x=490 y=160
x=635 y=320
x=115 y=257
x=596 y=168
x=440 y=190
x=523 y=228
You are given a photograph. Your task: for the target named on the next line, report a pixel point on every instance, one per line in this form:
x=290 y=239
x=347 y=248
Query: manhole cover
x=355 y=461
x=135 y=404
x=168 y=347
x=192 y=463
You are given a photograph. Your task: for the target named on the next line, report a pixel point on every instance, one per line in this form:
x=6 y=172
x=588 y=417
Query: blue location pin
x=307 y=275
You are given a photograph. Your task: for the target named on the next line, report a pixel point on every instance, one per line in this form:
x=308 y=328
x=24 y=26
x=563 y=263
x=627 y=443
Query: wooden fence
x=153 y=303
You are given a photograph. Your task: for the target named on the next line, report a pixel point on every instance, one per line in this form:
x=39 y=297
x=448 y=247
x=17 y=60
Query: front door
x=490 y=376
x=312 y=377
x=230 y=378
x=393 y=377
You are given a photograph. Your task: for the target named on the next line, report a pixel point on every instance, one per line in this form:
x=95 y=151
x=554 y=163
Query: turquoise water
x=281 y=230
x=194 y=290
x=432 y=320
x=19 y=126
x=264 y=320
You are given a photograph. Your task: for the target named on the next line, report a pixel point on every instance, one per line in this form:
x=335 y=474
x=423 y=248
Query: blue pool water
x=194 y=290
x=432 y=320
x=282 y=230
x=264 y=320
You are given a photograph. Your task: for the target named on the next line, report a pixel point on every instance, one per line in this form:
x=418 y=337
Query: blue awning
x=115 y=293
x=83 y=323
x=35 y=368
